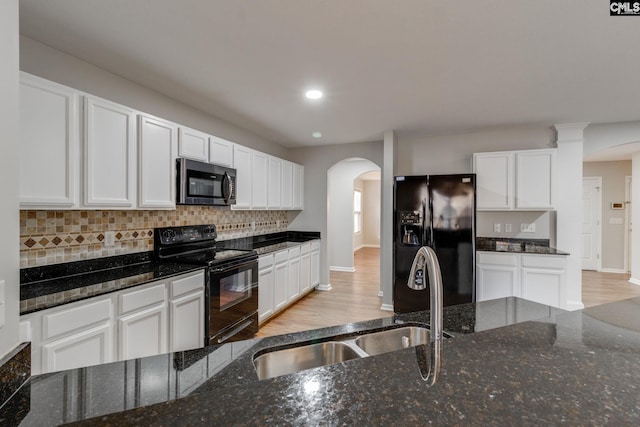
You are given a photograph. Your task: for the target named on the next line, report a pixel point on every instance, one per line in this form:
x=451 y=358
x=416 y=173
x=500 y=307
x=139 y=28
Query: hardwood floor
x=601 y=288
x=353 y=298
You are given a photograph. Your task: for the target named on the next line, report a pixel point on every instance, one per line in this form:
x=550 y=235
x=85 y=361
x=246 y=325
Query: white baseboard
x=386 y=307
x=345 y=269
x=369 y=246
x=634 y=281
x=380 y=294
x=574 y=305
x=613 y=270
x=326 y=287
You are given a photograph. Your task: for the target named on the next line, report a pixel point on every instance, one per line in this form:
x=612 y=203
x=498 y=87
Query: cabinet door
x=494 y=180
x=49 y=135
x=265 y=292
x=143 y=333
x=193 y=144
x=315 y=264
x=274 y=194
x=220 y=151
x=281 y=284
x=85 y=348
x=186 y=329
x=157 y=163
x=244 y=177
x=543 y=286
x=109 y=154
x=259 y=186
x=305 y=272
x=496 y=282
x=298 y=186
x=286 y=185
x=535 y=176
x=294 y=273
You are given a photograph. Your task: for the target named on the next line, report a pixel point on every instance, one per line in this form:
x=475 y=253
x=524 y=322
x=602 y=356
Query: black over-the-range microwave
x=202 y=183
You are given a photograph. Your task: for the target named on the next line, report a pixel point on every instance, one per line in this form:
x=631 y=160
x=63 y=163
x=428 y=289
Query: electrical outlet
x=507 y=228
x=528 y=228
x=109 y=239
x=253 y=226
x=496 y=228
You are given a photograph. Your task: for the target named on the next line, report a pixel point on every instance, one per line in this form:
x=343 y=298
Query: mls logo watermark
x=624 y=8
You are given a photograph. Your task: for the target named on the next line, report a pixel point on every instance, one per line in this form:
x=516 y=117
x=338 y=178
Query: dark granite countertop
x=524 y=364
x=265 y=244
x=525 y=246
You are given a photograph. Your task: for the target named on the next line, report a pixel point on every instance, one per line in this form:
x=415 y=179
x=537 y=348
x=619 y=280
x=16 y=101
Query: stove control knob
x=168 y=236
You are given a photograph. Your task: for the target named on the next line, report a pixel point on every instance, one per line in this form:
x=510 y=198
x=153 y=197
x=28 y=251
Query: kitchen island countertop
x=565 y=367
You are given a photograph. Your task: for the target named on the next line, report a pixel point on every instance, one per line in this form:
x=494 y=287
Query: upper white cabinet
x=515 y=180
x=49 y=135
x=244 y=177
x=259 y=184
x=286 y=195
x=298 y=187
x=220 y=151
x=274 y=195
x=193 y=144
x=156 y=169
x=109 y=154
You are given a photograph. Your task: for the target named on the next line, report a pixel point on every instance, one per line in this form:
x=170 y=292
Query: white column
x=386 y=219
x=635 y=219
x=568 y=202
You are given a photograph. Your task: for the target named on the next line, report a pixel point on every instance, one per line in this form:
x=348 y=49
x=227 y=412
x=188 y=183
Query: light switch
x=528 y=228
x=109 y=239
x=507 y=228
x=496 y=228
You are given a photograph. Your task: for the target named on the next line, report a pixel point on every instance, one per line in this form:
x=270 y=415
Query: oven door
x=233 y=301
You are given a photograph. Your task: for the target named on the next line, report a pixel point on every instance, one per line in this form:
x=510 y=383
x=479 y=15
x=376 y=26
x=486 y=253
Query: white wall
x=613 y=188
x=544 y=223
x=371 y=213
x=46 y=62
x=598 y=137
x=358 y=238
x=341 y=180
x=317 y=161
x=9 y=155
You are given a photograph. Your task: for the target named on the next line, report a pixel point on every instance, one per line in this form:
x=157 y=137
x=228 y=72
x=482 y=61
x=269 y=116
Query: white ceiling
x=415 y=66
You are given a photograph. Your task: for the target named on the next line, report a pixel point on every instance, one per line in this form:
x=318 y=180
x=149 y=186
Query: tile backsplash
x=53 y=237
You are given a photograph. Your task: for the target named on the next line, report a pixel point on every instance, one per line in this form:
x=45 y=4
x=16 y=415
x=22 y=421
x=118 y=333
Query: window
x=357 y=211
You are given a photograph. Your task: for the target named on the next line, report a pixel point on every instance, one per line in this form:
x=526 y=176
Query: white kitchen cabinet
x=293 y=289
x=282 y=280
x=193 y=144
x=260 y=180
x=298 y=187
x=498 y=275
x=84 y=348
x=49 y=144
x=265 y=287
x=186 y=313
x=109 y=154
x=535 y=176
x=286 y=185
x=220 y=151
x=274 y=192
x=515 y=180
x=244 y=178
x=305 y=267
x=544 y=279
x=143 y=333
x=315 y=263
x=156 y=163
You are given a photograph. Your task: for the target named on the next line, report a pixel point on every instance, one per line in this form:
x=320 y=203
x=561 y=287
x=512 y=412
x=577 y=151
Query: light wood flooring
x=354 y=297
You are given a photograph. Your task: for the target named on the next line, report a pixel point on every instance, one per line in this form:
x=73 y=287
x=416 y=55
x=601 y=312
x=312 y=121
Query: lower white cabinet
x=539 y=278
x=286 y=276
x=141 y=321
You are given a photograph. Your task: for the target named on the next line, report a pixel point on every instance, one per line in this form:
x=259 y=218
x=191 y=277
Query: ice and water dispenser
x=411 y=228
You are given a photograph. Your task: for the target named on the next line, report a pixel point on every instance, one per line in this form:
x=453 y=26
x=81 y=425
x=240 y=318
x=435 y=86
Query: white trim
x=598 y=245
x=380 y=294
x=634 y=281
x=614 y=270
x=627 y=222
x=356 y=249
x=368 y=245
x=574 y=305
x=345 y=269
x=386 y=307
x=326 y=287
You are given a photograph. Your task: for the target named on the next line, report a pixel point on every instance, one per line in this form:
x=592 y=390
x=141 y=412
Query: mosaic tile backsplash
x=53 y=237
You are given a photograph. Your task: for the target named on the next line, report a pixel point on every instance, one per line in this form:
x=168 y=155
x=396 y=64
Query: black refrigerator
x=437 y=211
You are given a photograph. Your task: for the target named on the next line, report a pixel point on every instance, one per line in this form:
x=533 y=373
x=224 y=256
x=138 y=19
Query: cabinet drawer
x=142 y=298
x=543 y=261
x=305 y=249
x=294 y=252
x=187 y=284
x=265 y=261
x=315 y=245
x=75 y=318
x=283 y=256
x=498 y=259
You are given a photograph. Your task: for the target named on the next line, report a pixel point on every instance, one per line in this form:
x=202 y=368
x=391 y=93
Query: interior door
x=591 y=222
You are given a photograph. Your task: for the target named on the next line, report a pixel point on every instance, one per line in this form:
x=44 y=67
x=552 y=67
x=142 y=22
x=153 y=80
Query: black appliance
x=231 y=303
x=436 y=211
x=200 y=183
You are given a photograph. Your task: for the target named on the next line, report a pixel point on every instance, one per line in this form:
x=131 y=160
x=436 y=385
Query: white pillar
x=635 y=219
x=386 y=219
x=568 y=202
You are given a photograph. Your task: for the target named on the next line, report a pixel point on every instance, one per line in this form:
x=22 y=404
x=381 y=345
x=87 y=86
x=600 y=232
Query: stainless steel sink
x=282 y=362
x=392 y=340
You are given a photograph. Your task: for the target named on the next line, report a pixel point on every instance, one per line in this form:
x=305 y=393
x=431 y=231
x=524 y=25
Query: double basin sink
x=276 y=361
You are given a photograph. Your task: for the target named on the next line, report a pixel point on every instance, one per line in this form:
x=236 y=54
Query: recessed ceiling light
x=317 y=135
x=313 y=94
